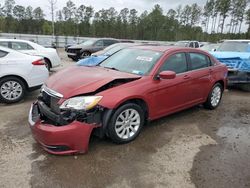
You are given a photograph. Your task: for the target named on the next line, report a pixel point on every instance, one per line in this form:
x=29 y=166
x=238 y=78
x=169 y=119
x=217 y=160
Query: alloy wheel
x=11 y=90
x=216 y=96
x=127 y=123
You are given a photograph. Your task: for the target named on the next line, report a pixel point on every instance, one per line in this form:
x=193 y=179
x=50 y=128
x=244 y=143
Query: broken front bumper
x=67 y=139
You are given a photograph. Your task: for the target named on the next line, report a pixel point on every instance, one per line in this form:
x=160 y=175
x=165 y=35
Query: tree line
x=217 y=19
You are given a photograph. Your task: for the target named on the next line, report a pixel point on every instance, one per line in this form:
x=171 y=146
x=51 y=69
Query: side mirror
x=214 y=50
x=167 y=75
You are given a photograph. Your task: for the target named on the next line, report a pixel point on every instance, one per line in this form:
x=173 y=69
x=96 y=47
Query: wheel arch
x=19 y=77
x=48 y=60
x=222 y=84
x=139 y=101
x=108 y=113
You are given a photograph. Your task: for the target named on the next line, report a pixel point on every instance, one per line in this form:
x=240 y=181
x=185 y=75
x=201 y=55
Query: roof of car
x=237 y=40
x=160 y=48
x=15 y=40
x=187 y=41
x=105 y=39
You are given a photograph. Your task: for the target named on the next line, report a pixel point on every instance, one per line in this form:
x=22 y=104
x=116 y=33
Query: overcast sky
x=139 y=5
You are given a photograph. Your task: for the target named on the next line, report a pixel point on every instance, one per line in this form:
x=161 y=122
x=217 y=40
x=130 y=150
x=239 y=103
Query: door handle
x=186 y=77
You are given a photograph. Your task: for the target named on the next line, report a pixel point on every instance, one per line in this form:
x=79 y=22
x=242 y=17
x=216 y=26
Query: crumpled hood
x=77 y=80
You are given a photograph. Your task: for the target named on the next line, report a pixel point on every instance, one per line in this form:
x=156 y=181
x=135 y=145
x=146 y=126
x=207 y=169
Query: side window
x=196 y=45
x=109 y=42
x=4 y=44
x=176 y=63
x=199 y=61
x=99 y=43
x=3 y=53
x=191 y=45
x=21 y=46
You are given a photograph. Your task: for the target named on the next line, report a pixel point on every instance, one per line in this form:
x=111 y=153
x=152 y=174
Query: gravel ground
x=193 y=148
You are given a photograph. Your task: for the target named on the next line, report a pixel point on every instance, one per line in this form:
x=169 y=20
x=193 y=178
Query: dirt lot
x=193 y=148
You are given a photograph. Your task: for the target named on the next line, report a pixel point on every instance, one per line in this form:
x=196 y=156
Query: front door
x=173 y=94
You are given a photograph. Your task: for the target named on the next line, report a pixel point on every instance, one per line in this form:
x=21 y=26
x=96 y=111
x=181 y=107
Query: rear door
x=199 y=65
x=3 y=62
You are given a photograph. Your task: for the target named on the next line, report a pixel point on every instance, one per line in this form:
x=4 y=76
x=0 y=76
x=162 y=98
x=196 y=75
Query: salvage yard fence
x=58 y=41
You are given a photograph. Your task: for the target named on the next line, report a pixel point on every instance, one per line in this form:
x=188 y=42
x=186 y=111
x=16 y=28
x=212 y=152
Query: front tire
x=85 y=54
x=214 y=97
x=126 y=123
x=12 y=90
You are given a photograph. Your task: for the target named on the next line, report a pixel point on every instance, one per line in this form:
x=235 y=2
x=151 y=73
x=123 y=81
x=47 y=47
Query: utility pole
x=52 y=4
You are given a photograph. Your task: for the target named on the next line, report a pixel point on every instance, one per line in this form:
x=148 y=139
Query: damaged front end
x=65 y=126
x=62 y=131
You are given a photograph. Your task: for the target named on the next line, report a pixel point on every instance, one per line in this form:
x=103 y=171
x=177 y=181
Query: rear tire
x=126 y=123
x=47 y=64
x=85 y=54
x=214 y=97
x=12 y=90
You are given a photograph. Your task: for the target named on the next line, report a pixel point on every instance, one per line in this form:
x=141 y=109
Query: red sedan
x=116 y=98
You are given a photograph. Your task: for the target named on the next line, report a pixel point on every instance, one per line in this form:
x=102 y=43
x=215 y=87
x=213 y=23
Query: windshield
x=135 y=61
x=113 y=49
x=88 y=42
x=233 y=46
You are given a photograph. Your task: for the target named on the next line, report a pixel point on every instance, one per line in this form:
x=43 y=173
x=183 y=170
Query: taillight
x=38 y=62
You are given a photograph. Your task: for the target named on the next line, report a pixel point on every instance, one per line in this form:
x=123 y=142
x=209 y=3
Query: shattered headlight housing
x=81 y=103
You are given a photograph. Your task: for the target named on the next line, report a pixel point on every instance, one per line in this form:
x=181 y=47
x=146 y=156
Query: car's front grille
x=51 y=101
x=75 y=51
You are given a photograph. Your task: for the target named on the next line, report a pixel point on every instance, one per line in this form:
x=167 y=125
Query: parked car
x=19 y=73
x=50 y=55
x=88 y=47
x=99 y=56
x=117 y=97
x=236 y=55
x=187 y=43
x=73 y=43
